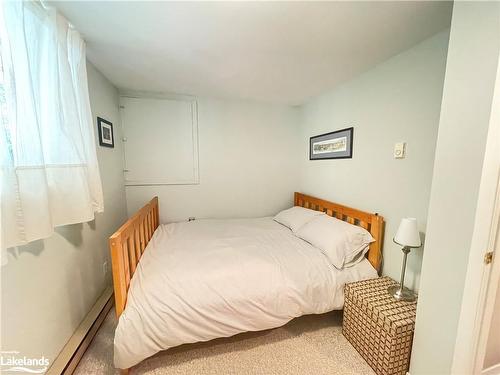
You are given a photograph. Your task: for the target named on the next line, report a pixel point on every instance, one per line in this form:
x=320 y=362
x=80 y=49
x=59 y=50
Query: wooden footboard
x=127 y=245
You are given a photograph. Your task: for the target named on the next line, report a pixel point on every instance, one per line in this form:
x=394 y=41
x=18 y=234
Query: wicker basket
x=378 y=326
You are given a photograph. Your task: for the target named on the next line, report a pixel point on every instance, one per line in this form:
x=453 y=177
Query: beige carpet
x=311 y=344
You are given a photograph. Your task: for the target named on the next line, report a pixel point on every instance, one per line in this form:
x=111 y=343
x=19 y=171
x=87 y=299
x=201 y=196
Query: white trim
x=72 y=352
x=485 y=315
x=195 y=137
x=493 y=370
x=155 y=95
x=160 y=182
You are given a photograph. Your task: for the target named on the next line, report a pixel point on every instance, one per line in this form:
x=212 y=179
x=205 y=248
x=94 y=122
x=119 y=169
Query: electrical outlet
x=105 y=268
x=400 y=150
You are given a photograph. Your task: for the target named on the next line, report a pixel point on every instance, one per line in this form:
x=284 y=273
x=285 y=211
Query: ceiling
x=282 y=52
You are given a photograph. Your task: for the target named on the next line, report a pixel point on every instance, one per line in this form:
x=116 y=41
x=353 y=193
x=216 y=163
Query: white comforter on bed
x=205 y=279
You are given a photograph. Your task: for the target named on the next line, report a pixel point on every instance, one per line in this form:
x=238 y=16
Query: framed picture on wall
x=106 y=136
x=333 y=145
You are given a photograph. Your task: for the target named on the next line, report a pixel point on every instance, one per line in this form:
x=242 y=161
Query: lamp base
x=401 y=294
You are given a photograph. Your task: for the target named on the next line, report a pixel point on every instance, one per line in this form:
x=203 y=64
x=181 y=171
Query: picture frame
x=106 y=135
x=333 y=145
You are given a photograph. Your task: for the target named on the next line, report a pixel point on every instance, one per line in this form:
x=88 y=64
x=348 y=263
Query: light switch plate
x=399 y=150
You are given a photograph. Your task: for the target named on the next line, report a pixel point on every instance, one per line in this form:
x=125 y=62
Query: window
x=48 y=163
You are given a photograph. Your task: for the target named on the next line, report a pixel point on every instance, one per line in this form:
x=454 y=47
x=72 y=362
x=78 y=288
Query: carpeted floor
x=311 y=344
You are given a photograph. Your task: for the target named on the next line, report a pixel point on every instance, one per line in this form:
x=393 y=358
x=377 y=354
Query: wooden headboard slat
x=373 y=223
x=127 y=245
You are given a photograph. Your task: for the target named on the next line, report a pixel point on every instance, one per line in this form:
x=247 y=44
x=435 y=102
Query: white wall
x=465 y=117
x=398 y=100
x=49 y=285
x=248 y=164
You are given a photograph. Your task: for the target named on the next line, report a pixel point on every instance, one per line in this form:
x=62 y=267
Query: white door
x=491 y=364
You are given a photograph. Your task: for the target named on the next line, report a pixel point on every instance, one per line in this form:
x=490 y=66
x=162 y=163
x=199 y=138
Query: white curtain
x=49 y=172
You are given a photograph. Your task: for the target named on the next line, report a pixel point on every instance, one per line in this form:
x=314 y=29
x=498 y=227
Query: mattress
x=206 y=279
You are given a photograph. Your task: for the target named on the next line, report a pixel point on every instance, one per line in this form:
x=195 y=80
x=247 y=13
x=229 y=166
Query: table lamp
x=408 y=237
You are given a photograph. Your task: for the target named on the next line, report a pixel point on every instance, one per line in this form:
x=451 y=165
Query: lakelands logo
x=12 y=361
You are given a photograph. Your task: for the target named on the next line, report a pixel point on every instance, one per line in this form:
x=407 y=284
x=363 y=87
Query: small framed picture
x=106 y=136
x=334 y=145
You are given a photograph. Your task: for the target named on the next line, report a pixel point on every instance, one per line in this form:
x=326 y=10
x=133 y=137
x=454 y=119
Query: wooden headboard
x=373 y=223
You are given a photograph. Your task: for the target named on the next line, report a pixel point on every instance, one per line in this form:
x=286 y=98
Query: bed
x=195 y=281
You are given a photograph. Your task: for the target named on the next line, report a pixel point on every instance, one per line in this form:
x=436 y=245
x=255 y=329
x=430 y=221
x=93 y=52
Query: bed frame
x=128 y=243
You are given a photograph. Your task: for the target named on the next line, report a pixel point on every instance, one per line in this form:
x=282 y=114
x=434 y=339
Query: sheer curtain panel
x=49 y=171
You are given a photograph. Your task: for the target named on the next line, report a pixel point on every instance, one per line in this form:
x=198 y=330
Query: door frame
x=481 y=281
x=489 y=302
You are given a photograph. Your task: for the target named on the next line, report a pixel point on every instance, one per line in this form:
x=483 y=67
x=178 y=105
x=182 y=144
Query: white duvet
x=205 y=279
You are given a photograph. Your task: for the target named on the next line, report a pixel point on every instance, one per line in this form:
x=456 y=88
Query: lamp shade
x=407 y=234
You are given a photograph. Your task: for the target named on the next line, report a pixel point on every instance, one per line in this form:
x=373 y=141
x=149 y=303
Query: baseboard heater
x=73 y=351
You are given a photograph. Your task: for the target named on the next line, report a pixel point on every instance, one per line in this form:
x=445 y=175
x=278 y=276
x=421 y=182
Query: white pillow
x=296 y=217
x=344 y=244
